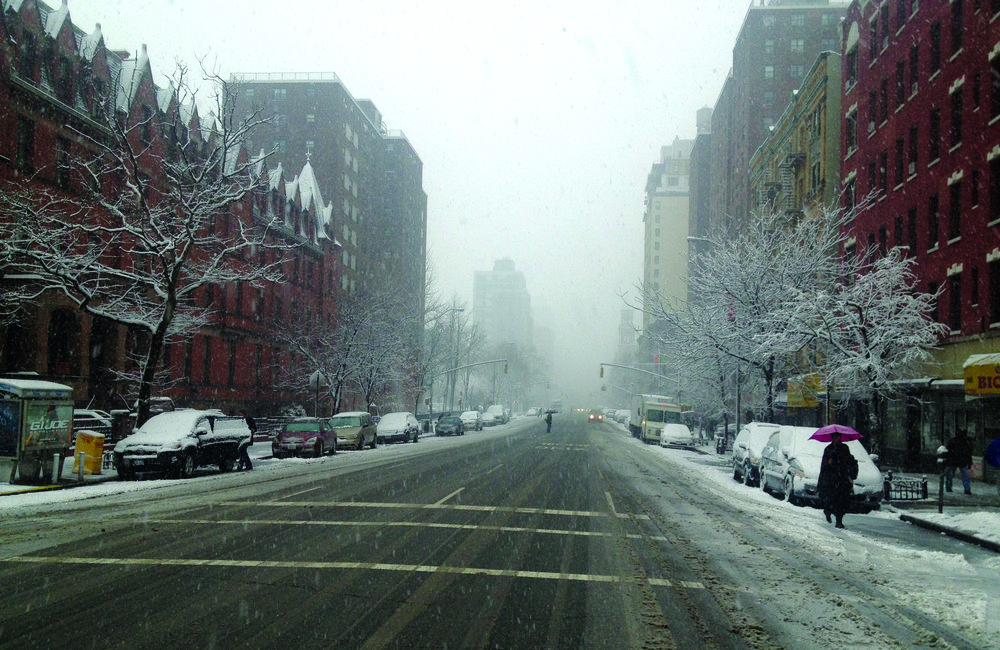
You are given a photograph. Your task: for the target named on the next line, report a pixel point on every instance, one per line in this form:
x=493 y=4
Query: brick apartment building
x=921 y=155
x=52 y=75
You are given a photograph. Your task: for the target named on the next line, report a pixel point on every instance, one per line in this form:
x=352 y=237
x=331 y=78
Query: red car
x=305 y=437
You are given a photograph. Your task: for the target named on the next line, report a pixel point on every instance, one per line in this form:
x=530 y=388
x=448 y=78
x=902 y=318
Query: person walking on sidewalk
x=244 y=461
x=959 y=457
x=836 y=478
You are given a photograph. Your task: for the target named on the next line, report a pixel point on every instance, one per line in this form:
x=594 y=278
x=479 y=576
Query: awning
x=982 y=374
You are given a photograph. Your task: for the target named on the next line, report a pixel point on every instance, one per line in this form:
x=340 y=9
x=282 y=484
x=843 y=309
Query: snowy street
x=509 y=537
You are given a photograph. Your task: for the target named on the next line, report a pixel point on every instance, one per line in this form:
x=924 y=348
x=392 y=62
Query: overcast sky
x=537 y=122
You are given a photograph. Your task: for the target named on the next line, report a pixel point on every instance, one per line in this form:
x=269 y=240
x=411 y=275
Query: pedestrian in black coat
x=959 y=457
x=836 y=478
x=244 y=461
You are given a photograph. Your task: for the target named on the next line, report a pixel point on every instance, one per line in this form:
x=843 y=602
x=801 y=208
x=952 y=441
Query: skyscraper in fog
x=501 y=305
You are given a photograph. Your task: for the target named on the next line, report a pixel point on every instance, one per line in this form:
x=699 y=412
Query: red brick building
x=921 y=144
x=51 y=76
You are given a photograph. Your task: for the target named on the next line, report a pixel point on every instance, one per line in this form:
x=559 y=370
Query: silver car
x=747 y=448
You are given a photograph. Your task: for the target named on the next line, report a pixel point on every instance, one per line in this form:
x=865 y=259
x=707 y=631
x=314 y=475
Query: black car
x=450 y=426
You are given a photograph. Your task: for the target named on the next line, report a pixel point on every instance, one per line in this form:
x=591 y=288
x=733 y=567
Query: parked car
x=499 y=413
x=747 y=448
x=490 y=419
x=399 y=426
x=177 y=442
x=622 y=416
x=472 y=420
x=304 y=437
x=674 y=435
x=450 y=426
x=354 y=429
x=90 y=420
x=532 y=412
x=790 y=463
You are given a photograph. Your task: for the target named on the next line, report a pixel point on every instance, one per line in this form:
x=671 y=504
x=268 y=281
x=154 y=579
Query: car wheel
x=126 y=475
x=320 y=448
x=334 y=451
x=186 y=470
x=374 y=442
x=416 y=436
x=747 y=480
x=790 y=491
x=736 y=473
x=361 y=441
x=225 y=465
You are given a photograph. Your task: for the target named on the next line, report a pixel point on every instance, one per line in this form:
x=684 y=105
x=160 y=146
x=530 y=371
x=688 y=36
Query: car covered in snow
x=747 y=448
x=472 y=420
x=400 y=426
x=177 y=442
x=676 y=435
x=354 y=429
x=304 y=437
x=790 y=464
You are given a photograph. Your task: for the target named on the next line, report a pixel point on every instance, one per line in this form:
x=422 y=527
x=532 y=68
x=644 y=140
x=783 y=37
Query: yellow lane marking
x=449 y=496
x=395 y=524
x=368 y=566
x=427 y=506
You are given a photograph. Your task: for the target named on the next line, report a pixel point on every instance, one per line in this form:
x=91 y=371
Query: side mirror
x=201 y=431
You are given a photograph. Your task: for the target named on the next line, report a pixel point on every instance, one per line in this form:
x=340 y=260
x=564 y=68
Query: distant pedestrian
x=548 y=422
x=836 y=478
x=959 y=457
x=244 y=462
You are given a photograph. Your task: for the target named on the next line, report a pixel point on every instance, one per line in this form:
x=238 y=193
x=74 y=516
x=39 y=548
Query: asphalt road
x=513 y=538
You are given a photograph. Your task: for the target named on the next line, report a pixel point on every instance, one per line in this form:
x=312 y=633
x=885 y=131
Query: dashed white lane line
x=395 y=524
x=427 y=506
x=493 y=470
x=368 y=566
x=611 y=503
x=449 y=496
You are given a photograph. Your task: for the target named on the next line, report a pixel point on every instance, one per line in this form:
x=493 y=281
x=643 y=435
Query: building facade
x=776 y=46
x=501 y=305
x=665 y=250
x=921 y=165
x=53 y=80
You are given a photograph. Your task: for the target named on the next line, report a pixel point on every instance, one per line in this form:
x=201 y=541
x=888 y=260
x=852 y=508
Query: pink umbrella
x=823 y=434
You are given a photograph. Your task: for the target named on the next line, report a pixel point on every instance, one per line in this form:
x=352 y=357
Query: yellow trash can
x=92 y=445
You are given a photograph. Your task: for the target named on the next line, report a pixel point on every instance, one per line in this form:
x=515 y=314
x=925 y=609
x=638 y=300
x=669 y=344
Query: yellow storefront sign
x=802 y=391
x=982 y=374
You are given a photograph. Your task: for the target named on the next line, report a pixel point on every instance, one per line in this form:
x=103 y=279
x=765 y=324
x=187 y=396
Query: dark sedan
x=450 y=426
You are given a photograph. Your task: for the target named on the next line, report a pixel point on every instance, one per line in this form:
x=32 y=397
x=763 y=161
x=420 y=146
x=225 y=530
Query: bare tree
x=155 y=224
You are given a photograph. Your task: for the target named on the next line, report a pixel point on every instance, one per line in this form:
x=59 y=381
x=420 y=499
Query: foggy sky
x=536 y=125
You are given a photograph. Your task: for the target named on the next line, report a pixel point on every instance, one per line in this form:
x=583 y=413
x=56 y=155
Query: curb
x=957 y=534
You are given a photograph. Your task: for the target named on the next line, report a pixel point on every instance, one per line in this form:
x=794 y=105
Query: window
x=851 y=131
x=974 y=194
x=798 y=45
x=883 y=241
x=900 y=14
x=310 y=118
x=932 y=223
x=900 y=83
x=850 y=194
x=898 y=232
x=883 y=172
x=25 y=145
x=872 y=110
x=934 y=137
x=995 y=88
x=994 y=292
x=911 y=230
x=146 y=128
x=769 y=72
x=974 y=285
x=767 y=20
x=957 y=26
x=884 y=102
x=798 y=20
x=768 y=46
x=65 y=88
x=852 y=67
x=311 y=92
x=280 y=94
x=310 y=146
x=994 y=214
x=768 y=97
x=885 y=25
x=900 y=162
x=795 y=71
x=911 y=168
x=956 y=118
x=935 y=47
x=28 y=57
x=955 y=210
x=828 y=44
x=955 y=302
x=873 y=44
x=976 y=79
x=872 y=177
x=914 y=67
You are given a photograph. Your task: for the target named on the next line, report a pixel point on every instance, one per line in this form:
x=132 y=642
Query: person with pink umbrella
x=837 y=472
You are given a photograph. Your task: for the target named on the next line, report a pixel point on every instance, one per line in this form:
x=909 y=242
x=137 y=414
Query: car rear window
x=349 y=421
x=300 y=427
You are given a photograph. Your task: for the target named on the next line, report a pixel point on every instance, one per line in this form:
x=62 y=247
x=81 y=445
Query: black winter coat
x=837 y=473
